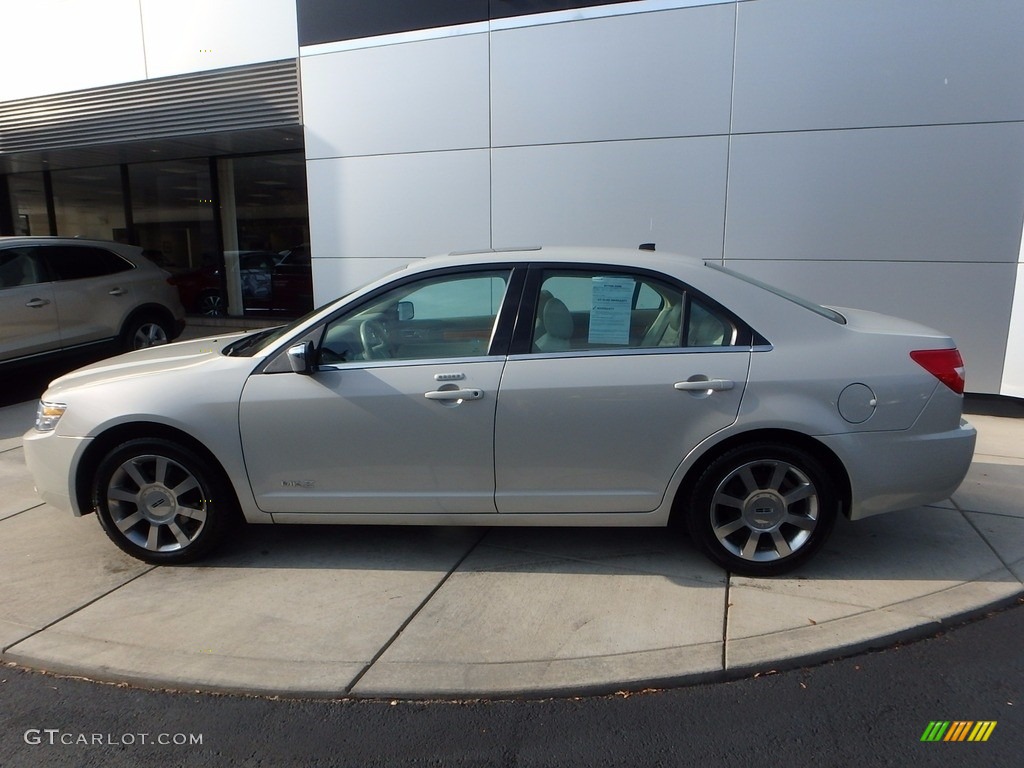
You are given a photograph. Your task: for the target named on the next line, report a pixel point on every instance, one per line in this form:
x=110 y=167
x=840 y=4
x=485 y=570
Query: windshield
x=817 y=309
x=249 y=345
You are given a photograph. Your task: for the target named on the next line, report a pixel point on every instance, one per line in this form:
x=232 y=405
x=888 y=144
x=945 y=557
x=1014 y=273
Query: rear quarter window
x=74 y=262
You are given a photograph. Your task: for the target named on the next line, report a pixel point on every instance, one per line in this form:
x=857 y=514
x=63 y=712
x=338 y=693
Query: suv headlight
x=48 y=414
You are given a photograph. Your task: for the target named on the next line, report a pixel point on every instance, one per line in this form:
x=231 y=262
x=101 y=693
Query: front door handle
x=454 y=394
x=117 y=292
x=36 y=303
x=705 y=385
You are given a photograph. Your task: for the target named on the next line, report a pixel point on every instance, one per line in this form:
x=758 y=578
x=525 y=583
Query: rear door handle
x=36 y=303
x=705 y=385
x=454 y=394
x=117 y=292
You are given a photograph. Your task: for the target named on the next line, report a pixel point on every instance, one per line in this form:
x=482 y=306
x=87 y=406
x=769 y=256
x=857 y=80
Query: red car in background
x=270 y=282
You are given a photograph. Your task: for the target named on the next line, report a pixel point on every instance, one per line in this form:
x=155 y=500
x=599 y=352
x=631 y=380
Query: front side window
x=589 y=310
x=20 y=266
x=437 y=317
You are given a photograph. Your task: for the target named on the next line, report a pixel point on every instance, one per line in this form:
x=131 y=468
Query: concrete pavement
x=455 y=612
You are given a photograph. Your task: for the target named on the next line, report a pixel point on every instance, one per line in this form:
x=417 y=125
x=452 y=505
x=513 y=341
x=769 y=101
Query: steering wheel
x=374 y=337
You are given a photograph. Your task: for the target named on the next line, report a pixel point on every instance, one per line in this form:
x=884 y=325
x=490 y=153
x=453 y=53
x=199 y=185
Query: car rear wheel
x=212 y=304
x=161 y=503
x=762 y=510
x=145 y=331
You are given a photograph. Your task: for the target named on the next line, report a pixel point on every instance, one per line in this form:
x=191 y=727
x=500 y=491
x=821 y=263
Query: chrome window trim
x=358 y=365
x=629 y=352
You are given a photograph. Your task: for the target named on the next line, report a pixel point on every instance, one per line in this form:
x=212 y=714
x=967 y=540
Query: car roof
x=16 y=240
x=663 y=261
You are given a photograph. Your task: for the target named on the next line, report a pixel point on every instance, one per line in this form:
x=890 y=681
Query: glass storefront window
x=172 y=213
x=89 y=203
x=28 y=204
x=265 y=221
x=261 y=265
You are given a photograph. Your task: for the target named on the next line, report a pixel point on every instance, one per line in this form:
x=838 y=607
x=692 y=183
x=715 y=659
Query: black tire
x=161 y=502
x=144 y=331
x=212 y=304
x=762 y=509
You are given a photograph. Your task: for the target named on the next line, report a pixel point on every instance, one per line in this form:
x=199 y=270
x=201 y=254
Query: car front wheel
x=762 y=510
x=161 y=503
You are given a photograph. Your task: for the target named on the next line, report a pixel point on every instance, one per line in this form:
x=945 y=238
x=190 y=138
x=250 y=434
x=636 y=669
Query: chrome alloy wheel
x=764 y=510
x=148 y=334
x=212 y=305
x=156 y=503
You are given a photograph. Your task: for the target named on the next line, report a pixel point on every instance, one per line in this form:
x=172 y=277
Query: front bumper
x=51 y=458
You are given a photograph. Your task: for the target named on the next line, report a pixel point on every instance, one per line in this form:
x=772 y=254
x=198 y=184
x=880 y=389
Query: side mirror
x=406 y=311
x=300 y=358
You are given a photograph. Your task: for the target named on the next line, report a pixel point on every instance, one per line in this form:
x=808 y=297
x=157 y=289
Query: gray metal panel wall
x=858 y=151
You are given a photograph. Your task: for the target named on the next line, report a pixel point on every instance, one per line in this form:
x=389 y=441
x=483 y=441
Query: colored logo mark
x=958 y=730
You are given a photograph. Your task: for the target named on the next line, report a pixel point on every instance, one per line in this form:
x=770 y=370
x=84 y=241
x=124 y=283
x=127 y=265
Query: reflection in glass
x=28 y=204
x=172 y=213
x=265 y=221
x=89 y=203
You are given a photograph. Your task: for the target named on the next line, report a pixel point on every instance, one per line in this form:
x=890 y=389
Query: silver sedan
x=564 y=386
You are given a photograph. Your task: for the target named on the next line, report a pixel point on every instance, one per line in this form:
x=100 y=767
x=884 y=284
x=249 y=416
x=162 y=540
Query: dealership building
x=858 y=152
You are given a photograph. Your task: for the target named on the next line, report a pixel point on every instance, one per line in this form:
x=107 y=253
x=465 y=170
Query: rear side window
x=582 y=310
x=75 y=262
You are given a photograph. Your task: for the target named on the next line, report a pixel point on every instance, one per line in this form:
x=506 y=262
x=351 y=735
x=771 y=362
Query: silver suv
x=62 y=295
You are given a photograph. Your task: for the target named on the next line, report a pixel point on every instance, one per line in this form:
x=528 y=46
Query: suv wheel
x=144 y=331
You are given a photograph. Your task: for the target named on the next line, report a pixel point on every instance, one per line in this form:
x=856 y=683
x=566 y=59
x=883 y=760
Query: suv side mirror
x=406 y=311
x=300 y=358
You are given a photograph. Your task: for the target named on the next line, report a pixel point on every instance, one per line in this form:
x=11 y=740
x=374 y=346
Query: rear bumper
x=897 y=470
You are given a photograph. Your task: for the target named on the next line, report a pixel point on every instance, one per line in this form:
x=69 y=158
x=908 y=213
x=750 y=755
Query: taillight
x=944 y=364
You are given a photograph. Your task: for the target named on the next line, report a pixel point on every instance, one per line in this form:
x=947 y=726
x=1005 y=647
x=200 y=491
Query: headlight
x=48 y=414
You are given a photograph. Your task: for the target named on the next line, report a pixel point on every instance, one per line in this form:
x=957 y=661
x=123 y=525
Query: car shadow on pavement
x=655 y=551
x=927 y=545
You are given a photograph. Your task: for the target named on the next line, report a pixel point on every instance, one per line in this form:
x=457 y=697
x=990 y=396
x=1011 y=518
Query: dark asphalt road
x=869 y=710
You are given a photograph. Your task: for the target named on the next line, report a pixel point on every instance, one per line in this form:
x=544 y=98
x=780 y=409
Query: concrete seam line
x=416 y=611
x=982 y=536
x=725 y=623
x=73 y=611
x=23 y=511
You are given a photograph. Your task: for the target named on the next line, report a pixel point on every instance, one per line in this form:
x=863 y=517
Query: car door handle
x=36 y=303
x=705 y=385
x=454 y=394
x=117 y=292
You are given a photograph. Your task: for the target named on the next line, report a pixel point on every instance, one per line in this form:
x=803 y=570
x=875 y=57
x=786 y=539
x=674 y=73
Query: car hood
x=142 y=362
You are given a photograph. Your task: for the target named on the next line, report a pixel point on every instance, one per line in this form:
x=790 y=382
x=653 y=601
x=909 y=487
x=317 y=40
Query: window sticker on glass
x=610 y=310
